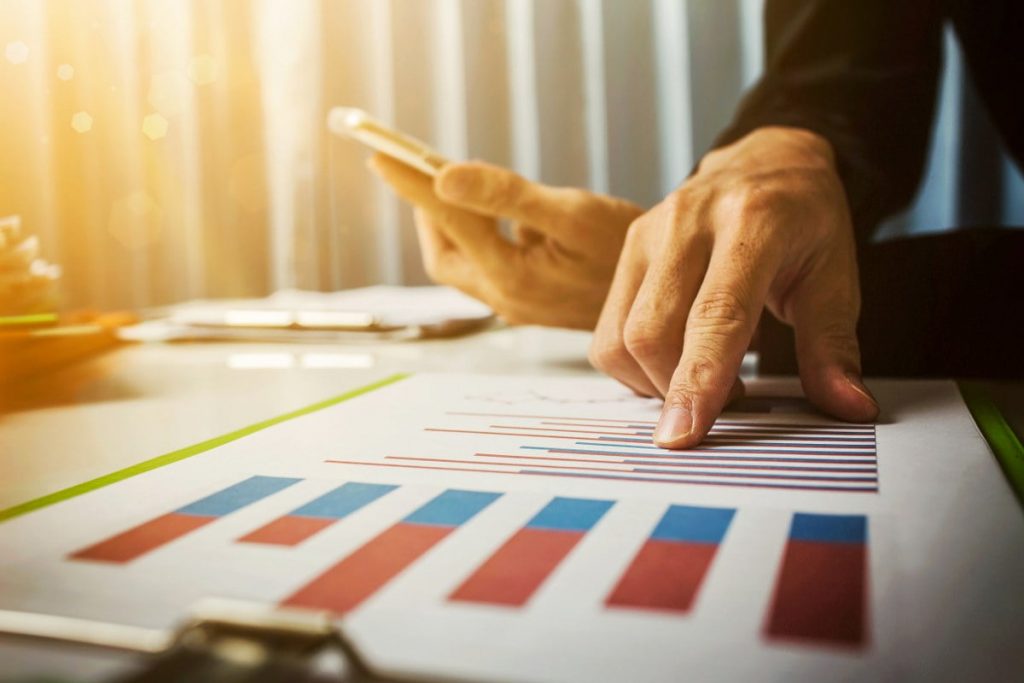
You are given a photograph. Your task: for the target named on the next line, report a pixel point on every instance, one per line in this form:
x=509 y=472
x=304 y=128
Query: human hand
x=764 y=221
x=559 y=266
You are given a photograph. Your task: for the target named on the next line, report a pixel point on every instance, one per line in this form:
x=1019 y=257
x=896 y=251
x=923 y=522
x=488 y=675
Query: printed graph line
x=649 y=470
x=662 y=462
x=704 y=455
x=856 y=487
x=839 y=456
x=645 y=443
x=721 y=422
x=760 y=441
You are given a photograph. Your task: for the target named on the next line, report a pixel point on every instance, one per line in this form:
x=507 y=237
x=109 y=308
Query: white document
x=526 y=529
x=306 y=316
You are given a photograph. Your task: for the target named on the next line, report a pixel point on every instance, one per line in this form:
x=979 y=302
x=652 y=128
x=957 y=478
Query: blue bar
x=452 y=508
x=829 y=528
x=343 y=500
x=237 y=496
x=693 y=524
x=570 y=514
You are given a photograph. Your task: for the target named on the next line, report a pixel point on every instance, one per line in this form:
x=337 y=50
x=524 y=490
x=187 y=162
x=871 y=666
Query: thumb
x=825 y=308
x=500 y=193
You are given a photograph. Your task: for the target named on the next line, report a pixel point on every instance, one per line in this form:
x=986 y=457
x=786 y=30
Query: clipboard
x=163 y=644
x=220 y=640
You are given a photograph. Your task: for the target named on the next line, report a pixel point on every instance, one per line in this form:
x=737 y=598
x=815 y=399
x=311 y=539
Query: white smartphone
x=358 y=125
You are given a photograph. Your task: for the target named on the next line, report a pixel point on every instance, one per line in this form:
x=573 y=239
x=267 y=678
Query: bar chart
x=667 y=572
x=805 y=456
x=820 y=587
x=317 y=515
x=513 y=573
x=352 y=580
x=156 y=533
x=820 y=593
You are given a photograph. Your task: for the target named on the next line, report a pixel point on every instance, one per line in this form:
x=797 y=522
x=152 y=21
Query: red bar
x=820 y=593
x=140 y=540
x=664 y=575
x=512 y=574
x=287 y=530
x=345 y=585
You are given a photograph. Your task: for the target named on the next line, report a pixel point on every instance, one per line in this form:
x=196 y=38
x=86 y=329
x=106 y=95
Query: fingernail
x=675 y=423
x=858 y=386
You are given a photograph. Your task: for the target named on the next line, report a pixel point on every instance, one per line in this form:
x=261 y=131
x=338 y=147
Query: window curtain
x=172 y=149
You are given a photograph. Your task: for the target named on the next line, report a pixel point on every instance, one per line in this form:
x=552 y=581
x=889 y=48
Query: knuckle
x=574 y=199
x=839 y=336
x=643 y=340
x=634 y=232
x=701 y=371
x=607 y=354
x=748 y=203
x=684 y=202
x=503 y=187
x=755 y=199
x=678 y=396
x=720 y=310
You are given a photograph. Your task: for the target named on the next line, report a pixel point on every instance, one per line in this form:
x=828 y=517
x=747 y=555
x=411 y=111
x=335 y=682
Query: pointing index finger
x=718 y=332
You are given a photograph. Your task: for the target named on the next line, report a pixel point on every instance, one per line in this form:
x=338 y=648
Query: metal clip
x=221 y=640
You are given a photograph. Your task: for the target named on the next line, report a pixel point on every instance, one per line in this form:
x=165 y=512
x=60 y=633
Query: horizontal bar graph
x=148 y=536
x=809 y=456
x=317 y=515
x=670 y=567
x=517 y=569
x=346 y=584
x=821 y=589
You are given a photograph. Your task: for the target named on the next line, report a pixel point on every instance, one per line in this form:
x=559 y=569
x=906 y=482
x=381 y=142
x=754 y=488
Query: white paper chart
x=527 y=529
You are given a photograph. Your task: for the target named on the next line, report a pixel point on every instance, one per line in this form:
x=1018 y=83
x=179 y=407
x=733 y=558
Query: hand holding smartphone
x=358 y=125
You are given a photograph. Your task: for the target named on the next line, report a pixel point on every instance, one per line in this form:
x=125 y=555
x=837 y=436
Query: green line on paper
x=187 y=452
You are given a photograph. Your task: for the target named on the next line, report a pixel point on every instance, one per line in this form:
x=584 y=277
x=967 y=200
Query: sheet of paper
x=525 y=528
x=389 y=306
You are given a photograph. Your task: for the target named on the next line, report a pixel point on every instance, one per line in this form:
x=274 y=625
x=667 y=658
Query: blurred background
x=164 y=150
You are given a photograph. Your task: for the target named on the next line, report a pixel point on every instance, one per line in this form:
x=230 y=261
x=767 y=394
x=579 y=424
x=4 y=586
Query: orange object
x=25 y=353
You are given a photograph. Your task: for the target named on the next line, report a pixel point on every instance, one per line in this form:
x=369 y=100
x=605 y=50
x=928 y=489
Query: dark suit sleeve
x=861 y=73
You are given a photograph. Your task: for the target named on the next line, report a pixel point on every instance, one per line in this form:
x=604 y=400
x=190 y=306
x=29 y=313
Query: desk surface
x=141 y=401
